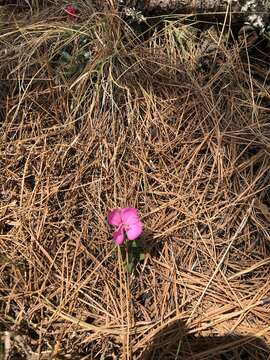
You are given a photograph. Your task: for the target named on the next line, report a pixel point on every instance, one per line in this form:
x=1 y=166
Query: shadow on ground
x=175 y=343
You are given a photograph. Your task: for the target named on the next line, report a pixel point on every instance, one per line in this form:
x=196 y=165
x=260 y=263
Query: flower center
x=126 y=226
x=122 y=227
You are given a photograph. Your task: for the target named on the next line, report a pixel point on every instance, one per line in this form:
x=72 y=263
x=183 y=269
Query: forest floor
x=99 y=111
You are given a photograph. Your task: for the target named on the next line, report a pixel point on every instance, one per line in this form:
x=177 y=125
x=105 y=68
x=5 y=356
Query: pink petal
x=134 y=230
x=71 y=11
x=114 y=217
x=130 y=216
x=118 y=236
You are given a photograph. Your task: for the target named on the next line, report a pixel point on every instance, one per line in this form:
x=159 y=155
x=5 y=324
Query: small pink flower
x=125 y=220
x=71 y=12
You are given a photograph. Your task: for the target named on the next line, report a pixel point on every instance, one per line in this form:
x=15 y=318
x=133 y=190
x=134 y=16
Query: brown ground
x=147 y=123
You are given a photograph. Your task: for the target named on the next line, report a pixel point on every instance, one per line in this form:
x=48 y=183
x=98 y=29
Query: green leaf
x=142 y=256
x=133 y=253
x=74 y=69
x=130 y=267
x=65 y=57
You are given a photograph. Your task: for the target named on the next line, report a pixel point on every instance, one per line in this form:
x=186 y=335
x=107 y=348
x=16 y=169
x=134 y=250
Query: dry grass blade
x=94 y=115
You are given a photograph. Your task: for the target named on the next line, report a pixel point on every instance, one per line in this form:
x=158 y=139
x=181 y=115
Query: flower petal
x=134 y=230
x=114 y=217
x=130 y=216
x=71 y=11
x=118 y=236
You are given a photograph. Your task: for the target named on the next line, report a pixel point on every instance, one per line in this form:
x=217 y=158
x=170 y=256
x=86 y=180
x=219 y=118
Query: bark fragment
x=251 y=11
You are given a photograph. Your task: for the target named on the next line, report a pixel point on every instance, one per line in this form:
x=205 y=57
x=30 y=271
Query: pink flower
x=125 y=220
x=71 y=11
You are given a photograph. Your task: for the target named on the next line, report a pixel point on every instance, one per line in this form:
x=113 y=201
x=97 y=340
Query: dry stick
x=241 y=226
x=222 y=31
x=251 y=268
x=24 y=176
x=7 y=344
x=124 y=337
